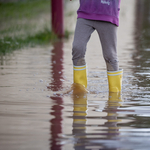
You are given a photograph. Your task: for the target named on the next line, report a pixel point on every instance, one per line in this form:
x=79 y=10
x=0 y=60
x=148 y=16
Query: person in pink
x=102 y=16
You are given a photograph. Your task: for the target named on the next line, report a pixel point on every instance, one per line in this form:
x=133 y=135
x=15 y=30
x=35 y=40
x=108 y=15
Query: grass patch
x=25 y=23
x=24 y=16
x=9 y=44
x=23 y=9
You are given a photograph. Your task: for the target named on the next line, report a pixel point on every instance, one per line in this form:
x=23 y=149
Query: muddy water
x=32 y=116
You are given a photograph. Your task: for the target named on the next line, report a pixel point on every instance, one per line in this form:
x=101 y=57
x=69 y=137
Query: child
x=102 y=16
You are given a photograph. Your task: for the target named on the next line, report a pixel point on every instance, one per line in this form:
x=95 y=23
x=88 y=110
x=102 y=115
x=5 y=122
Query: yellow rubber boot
x=80 y=75
x=115 y=80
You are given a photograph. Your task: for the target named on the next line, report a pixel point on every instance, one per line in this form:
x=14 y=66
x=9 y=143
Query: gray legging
x=108 y=36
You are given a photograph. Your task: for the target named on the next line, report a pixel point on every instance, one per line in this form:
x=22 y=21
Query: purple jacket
x=104 y=10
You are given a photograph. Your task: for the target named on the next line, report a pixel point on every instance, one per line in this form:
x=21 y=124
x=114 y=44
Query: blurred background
x=36 y=65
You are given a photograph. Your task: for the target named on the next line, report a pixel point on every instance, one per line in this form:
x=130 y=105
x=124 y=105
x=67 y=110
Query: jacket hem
x=99 y=17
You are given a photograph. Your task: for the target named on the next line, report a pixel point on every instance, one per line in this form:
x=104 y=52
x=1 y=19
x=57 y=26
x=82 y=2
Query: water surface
x=34 y=116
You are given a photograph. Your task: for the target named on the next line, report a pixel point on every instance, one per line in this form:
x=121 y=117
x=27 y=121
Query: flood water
x=34 y=117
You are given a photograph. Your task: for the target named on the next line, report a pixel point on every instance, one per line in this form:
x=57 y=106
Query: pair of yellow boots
x=114 y=78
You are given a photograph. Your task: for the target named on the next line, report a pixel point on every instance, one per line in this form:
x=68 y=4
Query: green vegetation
x=24 y=8
x=25 y=23
x=7 y=44
x=24 y=16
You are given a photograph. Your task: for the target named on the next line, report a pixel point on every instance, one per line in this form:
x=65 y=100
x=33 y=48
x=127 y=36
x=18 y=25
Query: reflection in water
x=79 y=120
x=85 y=139
x=56 y=122
x=112 y=120
x=98 y=121
x=57 y=66
x=140 y=102
x=56 y=85
x=142 y=43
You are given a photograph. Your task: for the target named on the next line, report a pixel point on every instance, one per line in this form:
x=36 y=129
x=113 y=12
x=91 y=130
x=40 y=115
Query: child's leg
x=82 y=35
x=108 y=36
x=83 y=31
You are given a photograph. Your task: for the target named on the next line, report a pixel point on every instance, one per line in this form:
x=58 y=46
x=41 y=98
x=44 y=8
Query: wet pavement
x=33 y=116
